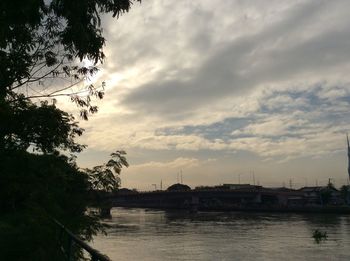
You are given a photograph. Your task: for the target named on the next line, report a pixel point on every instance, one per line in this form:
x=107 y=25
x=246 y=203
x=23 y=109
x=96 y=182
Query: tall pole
x=347 y=139
x=305 y=179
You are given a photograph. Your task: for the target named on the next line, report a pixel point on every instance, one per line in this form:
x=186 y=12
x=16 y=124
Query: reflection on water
x=141 y=234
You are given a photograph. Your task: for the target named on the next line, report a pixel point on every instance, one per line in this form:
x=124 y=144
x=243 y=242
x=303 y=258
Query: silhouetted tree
x=33 y=190
x=37 y=187
x=43 y=128
x=42 y=46
x=345 y=193
x=105 y=178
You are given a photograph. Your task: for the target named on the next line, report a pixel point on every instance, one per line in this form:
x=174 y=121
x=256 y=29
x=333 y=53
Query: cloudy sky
x=223 y=89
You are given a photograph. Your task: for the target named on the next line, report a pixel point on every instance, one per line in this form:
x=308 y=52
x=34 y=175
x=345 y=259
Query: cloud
x=268 y=79
x=287 y=124
x=289 y=47
x=177 y=164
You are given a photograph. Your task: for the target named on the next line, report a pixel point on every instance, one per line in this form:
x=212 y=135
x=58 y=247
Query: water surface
x=143 y=234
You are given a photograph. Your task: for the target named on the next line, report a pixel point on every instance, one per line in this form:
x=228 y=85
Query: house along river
x=144 y=234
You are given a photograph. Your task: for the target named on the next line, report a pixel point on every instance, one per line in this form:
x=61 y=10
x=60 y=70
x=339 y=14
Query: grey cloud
x=230 y=69
x=278 y=52
x=280 y=125
x=210 y=52
x=154 y=32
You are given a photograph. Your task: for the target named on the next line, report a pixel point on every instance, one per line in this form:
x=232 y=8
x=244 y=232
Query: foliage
x=345 y=193
x=326 y=195
x=43 y=128
x=42 y=46
x=104 y=177
x=330 y=185
x=319 y=236
x=44 y=40
x=33 y=190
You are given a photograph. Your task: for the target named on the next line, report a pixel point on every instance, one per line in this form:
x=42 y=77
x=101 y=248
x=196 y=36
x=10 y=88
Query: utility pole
x=181 y=176
x=347 y=139
x=161 y=184
x=330 y=181
x=305 y=182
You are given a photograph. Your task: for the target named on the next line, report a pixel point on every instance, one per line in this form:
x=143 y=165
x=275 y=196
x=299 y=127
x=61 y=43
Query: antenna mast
x=347 y=139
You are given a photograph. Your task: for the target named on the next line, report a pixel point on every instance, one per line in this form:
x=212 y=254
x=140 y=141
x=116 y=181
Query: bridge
x=210 y=199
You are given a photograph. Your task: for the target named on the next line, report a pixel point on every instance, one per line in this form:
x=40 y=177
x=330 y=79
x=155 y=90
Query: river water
x=143 y=234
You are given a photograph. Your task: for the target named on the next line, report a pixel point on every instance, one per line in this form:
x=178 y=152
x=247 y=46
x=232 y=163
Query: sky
x=225 y=92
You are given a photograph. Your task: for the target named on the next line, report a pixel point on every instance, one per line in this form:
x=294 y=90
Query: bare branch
x=31 y=79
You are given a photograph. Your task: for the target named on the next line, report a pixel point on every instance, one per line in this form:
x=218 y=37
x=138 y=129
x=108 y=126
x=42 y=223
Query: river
x=143 y=234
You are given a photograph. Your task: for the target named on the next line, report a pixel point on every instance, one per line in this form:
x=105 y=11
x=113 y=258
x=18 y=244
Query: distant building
x=178 y=187
x=230 y=187
x=126 y=191
x=321 y=195
x=240 y=186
